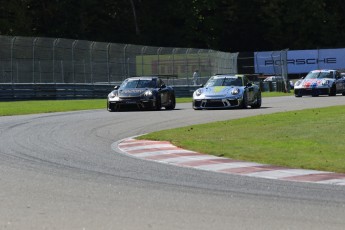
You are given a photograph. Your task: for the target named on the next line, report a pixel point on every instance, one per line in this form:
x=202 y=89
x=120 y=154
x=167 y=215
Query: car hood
x=131 y=92
x=308 y=83
x=218 y=90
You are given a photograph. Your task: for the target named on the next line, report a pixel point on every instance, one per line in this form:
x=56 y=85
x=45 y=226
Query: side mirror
x=249 y=84
x=116 y=87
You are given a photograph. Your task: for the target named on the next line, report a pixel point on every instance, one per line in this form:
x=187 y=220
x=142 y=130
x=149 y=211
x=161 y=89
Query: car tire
x=158 y=104
x=172 y=104
x=258 y=102
x=111 y=108
x=333 y=90
x=297 y=93
x=244 y=102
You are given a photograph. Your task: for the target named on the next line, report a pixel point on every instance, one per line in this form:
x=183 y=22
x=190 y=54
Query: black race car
x=146 y=92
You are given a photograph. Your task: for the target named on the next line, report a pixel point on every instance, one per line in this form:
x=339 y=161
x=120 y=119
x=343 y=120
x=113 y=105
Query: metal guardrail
x=59 y=91
x=23 y=91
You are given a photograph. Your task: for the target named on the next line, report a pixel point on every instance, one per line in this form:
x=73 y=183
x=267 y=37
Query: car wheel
x=258 y=102
x=158 y=104
x=332 y=91
x=343 y=94
x=172 y=104
x=111 y=108
x=244 y=102
x=297 y=93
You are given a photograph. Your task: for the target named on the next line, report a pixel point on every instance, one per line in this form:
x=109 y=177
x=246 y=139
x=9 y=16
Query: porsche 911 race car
x=227 y=91
x=320 y=82
x=147 y=92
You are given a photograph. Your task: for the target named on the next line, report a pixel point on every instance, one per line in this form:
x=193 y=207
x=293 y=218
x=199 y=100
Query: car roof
x=228 y=75
x=323 y=70
x=143 y=78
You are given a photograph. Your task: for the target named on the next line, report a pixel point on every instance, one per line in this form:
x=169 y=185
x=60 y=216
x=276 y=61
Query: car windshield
x=274 y=78
x=319 y=75
x=138 y=83
x=224 y=81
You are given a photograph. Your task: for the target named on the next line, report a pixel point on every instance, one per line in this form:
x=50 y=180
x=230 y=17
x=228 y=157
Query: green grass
x=277 y=94
x=308 y=139
x=47 y=106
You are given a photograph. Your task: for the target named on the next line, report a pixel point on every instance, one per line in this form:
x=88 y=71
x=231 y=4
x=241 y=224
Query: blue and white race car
x=227 y=91
x=320 y=82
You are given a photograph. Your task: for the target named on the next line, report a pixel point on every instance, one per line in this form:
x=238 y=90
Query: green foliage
x=227 y=25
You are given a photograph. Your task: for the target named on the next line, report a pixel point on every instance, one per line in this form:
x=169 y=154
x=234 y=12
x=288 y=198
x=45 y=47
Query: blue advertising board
x=300 y=61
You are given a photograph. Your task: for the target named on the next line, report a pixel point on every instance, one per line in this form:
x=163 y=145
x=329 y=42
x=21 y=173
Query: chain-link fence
x=57 y=60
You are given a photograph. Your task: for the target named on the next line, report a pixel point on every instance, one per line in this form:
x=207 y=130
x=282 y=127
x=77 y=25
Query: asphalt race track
x=58 y=171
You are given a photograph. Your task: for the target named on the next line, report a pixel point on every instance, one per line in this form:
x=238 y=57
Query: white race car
x=227 y=91
x=320 y=82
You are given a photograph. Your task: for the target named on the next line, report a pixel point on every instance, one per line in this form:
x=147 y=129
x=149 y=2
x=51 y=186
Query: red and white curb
x=165 y=152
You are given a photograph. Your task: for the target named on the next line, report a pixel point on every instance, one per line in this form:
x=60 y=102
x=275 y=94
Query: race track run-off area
x=165 y=152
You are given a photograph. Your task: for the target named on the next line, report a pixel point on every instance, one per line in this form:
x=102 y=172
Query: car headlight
x=148 y=93
x=235 y=91
x=325 y=82
x=112 y=94
x=198 y=92
x=297 y=83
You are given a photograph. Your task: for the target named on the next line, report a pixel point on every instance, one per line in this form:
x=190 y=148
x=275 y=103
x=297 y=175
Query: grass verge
x=277 y=94
x=307 y=139
x=49 y=106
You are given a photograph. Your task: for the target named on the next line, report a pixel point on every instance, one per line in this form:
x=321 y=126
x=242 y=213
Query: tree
x=227 y=25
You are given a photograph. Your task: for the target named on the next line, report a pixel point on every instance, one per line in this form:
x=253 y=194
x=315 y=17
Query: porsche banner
x=300 y=61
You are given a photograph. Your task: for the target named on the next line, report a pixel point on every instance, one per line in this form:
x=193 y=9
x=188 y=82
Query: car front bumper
x=217 y=103
x=312 y=91
x=139 y=103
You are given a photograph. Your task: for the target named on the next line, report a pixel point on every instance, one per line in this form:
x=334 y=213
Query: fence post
x=91 y=69
x=187 y=52
x=124 y=61
x=173 y=64
x=54 y=45
x=199 y=64
x=108 y=68
x=158 y=64
x=12 y=47
x=143 y=50
x=33 y=59
x=73 y=67
x=210 y=62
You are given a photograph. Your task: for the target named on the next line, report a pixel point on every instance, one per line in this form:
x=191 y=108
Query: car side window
x=338 y=75
x=245 y=81
x=160 y=83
